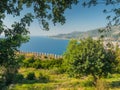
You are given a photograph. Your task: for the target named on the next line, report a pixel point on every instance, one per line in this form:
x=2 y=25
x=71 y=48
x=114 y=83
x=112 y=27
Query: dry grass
x=63 y=82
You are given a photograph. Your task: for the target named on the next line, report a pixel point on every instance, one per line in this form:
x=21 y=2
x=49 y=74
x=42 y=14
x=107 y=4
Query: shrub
x=87 y=83
x=47 y=64
x=58 y=70
x=2 y=83
x=43 y=78
x=20 y=59
x=31 y=76
x=56 y=63
x=37 y=64
x=117 y=53
x=9 y=78
x=109 y=75
x=28 y=62
x=18 y=78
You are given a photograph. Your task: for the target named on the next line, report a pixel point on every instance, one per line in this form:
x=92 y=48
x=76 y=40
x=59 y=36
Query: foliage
x=20 y=59
x=58 y=70
x=37 y=64
x=63 y=82
x=7 y=75
x=43 y=64
x=43 y=78
x=31 y=76
x=18 y=78
x=44 y=11
x=88 y=57
x=117 y=53
x=114 y=12
x=2 y=83
x=102 y=85
x=93 y=33
x=46 y=64
x=28 y=62
x=14 y=37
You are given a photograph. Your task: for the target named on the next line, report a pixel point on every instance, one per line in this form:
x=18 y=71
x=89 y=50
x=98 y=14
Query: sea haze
x=45 y=45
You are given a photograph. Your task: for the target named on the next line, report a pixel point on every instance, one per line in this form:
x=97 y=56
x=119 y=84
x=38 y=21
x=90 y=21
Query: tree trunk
x=94 y=79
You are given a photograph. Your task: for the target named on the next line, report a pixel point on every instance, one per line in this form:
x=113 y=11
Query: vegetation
x=117 y=54
x=87 y=61
x=112 y=35
x=41 y=64
x=114 y=12
x=13 y=37
x=97 y=63
x=49 y=80
x=89 y=58
x=44 y=11
x=31 y=76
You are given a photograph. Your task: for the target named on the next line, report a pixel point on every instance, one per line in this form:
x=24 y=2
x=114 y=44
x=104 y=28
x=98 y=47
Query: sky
x=77 y=19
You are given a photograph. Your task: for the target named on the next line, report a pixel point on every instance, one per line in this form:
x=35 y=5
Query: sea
x=45 y=45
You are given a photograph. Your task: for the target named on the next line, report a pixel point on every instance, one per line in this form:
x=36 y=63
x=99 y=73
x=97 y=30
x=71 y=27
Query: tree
x=117 y=53
x=114 y=12
x=89 y=58
x=44 y=10
x=14 y=37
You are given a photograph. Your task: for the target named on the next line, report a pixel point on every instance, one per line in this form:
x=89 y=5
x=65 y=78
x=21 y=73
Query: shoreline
x=58 y=38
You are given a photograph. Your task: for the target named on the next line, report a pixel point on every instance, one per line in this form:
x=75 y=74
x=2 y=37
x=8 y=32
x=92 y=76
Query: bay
x=45 y=45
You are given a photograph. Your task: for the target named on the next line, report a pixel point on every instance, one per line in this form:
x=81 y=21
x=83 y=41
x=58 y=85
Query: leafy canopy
x=16 y=35
x=113 y=13
x=44 y=10
x=88 y=57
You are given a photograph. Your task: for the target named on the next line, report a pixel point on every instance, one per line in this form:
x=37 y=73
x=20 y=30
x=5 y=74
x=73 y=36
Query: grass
x=63 y=82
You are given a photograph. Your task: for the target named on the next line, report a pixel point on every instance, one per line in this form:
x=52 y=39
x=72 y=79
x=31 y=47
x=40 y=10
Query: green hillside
x=113 y=34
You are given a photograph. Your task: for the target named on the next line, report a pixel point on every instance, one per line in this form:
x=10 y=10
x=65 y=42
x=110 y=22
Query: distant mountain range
x=113 y=34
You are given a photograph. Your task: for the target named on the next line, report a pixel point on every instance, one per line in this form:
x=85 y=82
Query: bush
x=37 y=64
x=109 y=75
x=31 y=76
x=18 y=78
x=20 y=59
x=28 y=62
x=117 y=53
x=47 y=64
x=87 y=83
x=9 y=78
x=58 y=70
x=2 y=83
x=43 y=78
x=44 y=64
x=31 y=62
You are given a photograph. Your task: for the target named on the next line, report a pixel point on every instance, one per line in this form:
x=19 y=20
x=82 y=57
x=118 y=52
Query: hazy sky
x=77 y=19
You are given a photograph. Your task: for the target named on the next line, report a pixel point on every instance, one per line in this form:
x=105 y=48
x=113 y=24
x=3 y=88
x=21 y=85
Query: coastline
x=52 y=37
x=45 y=44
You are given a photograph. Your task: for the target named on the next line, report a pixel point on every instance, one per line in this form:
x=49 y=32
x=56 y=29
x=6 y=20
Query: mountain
x=113 y=34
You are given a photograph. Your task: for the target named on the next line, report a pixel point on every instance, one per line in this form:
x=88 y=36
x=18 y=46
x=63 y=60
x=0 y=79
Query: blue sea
x=45 y=45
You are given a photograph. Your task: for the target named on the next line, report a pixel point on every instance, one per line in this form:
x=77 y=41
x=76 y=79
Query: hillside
x=113 y=34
